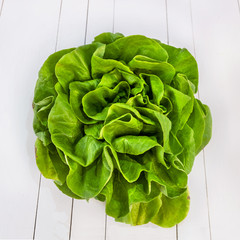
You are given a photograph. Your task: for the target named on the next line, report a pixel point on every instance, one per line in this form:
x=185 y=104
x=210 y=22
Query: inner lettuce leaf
x=117 y=120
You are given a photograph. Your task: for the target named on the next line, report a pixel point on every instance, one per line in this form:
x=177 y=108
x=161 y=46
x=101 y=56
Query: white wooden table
x=30 y=30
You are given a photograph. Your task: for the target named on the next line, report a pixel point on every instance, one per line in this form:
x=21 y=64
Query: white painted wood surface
x=52 y=202
x=27 y=36
x=197 y=222
x=32 y=207
x=1 y=6
x=216 y=26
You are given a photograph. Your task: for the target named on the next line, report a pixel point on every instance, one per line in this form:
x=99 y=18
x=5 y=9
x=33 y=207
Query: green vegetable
x=117 y=120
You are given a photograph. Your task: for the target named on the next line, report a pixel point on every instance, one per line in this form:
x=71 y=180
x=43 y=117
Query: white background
x=30 y=30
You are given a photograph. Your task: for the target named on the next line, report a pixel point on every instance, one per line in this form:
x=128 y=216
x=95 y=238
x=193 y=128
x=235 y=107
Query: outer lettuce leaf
x=183 y=62
x=172 y=211
x=64 y=127
x=117 y=121
x=100 y=65
x=126 y=48
x=207 y=134
x=44 y=95
x=75 y=65
x=47 y=76
x=50 y=163
x=65 y=189
x=92 y=178
x=121 y=195
x=142 y=213
x=186 y=138
x=172 y=180
x=107 y=38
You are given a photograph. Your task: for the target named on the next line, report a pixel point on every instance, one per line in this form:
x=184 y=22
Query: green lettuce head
x=117 y=121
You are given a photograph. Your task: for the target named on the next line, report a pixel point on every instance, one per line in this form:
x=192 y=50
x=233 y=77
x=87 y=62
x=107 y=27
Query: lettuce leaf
x=117 y=120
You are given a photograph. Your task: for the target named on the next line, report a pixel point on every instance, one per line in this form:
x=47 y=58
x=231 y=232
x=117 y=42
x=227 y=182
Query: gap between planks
x=206 y=186
x=113 y=30
x=166 y=9
x=40 y=178
x=238 y=3
x=1 y=8
x=36 y=212
x=85 y=40
x=203 y=152
x=59 y=18
x=113 y=26
x=86 y=26
x=70 y=226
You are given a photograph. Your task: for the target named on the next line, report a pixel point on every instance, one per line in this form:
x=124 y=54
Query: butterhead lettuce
x=117 y=120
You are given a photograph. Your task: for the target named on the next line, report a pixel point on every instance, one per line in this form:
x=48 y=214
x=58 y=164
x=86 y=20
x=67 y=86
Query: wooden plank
x=151 y=25
x=100 y=18
x=88 y=220
x=27 y=38
x=216 y=29
x=119 y=231
x=72 y=24
x=54 y=208
x=196 y=224
x=141 y=17
x=180 y=24
x=54 y=212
